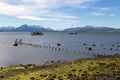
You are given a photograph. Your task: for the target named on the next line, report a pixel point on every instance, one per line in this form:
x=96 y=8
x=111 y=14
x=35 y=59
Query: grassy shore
x=102 y=68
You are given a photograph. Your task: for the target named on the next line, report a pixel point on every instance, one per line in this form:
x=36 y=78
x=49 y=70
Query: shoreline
x=98 y=68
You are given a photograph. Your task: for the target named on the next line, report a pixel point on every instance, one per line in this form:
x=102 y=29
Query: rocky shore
x=99 y=68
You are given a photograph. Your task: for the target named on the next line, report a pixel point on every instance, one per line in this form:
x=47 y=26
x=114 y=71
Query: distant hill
x=32 y=28
x=29 y=28
x=91 y=28
x=26 y=28
x=6 y=28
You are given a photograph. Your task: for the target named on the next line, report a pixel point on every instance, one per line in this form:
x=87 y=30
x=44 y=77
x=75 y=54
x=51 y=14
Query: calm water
x=72 y=46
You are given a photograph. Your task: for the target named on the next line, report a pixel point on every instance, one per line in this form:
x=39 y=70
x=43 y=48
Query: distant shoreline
x=81 y=31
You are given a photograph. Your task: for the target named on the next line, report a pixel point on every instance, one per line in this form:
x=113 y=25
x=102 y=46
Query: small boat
x=36 y=33
x=73 y=33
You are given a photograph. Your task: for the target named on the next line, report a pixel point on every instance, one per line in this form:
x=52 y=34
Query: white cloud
x=65 y=16
x=104 y=9
x=36 y=18
x=32 y=9
x=112 y=15
x=97 y=14
x=102 y=14
x=55 y=4
x=72 y=21
x=11 y=9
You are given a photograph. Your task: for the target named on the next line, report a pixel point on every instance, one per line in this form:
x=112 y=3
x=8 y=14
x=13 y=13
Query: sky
x=60 y=14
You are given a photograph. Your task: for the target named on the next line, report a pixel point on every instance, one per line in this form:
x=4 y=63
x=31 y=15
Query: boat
x=36 y=33
x=73 y=33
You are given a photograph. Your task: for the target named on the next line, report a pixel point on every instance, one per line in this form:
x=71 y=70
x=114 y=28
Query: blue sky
x=60 y=14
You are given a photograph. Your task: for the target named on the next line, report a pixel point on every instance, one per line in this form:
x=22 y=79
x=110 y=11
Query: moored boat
x=36 y=33
x=73 y=33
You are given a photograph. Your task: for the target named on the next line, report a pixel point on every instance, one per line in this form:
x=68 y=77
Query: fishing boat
x=73 y=33
x=36 y=33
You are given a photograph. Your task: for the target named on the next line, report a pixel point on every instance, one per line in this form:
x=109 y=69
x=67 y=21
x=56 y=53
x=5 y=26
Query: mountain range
x=91 y=28
x=29 y=28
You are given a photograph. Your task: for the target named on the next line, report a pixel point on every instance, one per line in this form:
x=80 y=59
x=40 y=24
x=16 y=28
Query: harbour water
x=72 y=47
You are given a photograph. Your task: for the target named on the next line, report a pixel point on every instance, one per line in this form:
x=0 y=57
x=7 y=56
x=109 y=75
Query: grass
x=84 y=69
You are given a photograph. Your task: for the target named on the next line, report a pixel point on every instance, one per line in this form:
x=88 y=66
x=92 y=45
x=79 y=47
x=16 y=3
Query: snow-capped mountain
x=93 y=28
x=26 y=27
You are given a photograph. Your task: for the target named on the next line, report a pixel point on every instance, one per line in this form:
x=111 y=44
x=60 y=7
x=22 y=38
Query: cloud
x=72 y=21
x=11 y=9
x=112 y=15
x=97 y=14
x=32 y=9
x=104 y=9
x=37 y=18
x=102 y=14
x=55 y=4
x=65 y=16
